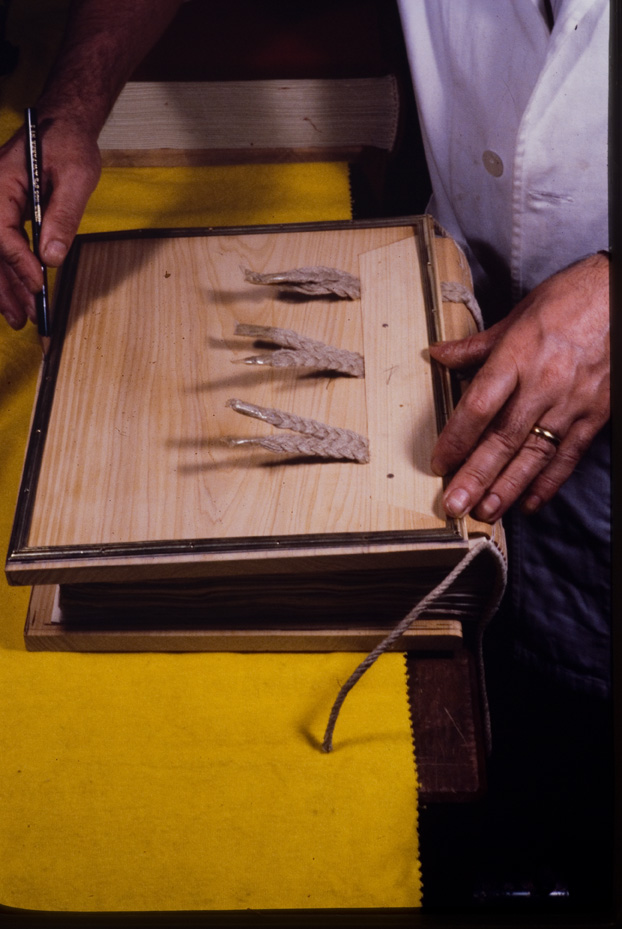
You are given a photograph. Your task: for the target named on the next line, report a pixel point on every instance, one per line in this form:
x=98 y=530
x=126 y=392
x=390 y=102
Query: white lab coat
x=514 y=119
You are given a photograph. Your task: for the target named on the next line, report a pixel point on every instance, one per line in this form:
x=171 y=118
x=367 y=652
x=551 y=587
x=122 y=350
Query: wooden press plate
x=127 y=479
x=127 y=475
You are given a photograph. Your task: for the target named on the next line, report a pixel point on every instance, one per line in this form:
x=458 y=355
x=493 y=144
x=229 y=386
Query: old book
x=202 y=122
x=273 y=81
x=142 y=525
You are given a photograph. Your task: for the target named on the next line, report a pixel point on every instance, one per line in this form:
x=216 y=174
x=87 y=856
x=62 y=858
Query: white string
x=300 y=351
x=337 y=443
x=408 y=620
x=313 y=281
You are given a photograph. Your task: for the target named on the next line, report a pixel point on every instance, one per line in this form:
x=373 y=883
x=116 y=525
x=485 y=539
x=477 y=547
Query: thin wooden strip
x=400 y=399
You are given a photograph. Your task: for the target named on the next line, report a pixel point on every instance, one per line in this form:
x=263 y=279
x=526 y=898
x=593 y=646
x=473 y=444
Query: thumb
x=70 y=194
x=470 y=352
x=60 y=224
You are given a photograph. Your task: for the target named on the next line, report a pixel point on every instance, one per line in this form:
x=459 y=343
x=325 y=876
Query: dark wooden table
x=447 y=719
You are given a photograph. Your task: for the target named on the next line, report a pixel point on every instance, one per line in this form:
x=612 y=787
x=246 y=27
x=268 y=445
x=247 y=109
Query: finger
x=59 y=227
x=530 y=460
x=68 y=199
x=471 y=351
x=551 y=478
x=17 y=304
x=14 y=246
x=16 y=252
x=481 y=402
x=508 y=438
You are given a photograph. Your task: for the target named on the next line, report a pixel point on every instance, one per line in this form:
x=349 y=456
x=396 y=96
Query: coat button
x=492 y=163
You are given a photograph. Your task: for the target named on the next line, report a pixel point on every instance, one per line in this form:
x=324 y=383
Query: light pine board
x=134 y=447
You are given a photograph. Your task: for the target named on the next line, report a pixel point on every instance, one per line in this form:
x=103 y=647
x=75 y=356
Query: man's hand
x=70 y=170
x=104 y=41
x=546 y=364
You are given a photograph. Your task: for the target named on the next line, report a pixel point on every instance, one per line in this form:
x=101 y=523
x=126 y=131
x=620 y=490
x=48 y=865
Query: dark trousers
x=543 y=833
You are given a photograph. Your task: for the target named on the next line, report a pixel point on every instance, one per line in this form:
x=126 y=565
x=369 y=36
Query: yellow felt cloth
x=193 y=781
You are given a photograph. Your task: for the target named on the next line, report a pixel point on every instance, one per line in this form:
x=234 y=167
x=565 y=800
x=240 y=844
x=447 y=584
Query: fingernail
x=458 y=503
x=489 y=506
x=55 y=252
x=438 y=467
x=531 y=504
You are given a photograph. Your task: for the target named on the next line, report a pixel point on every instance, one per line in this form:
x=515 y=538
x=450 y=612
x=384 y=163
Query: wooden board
x=446 y=711
x=134 y=445
x=47 y=630
x=216 y=122
x=244 y=82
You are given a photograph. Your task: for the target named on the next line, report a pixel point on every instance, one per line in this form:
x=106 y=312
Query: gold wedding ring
x=546 y=434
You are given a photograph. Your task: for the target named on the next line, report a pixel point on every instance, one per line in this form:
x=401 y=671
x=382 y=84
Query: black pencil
x=33 y=151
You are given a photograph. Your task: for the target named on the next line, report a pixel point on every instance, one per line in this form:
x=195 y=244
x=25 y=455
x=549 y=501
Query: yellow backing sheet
x=193 y=781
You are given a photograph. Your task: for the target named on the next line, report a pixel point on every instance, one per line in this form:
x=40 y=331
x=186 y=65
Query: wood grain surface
x=446 y=711
x=153 y=119
x=135 y=441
